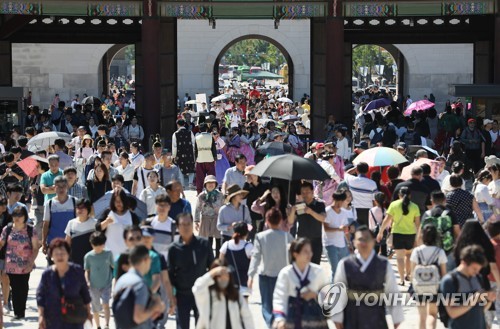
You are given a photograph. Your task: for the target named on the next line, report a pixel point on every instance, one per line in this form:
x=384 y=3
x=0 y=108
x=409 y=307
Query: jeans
x=266 y=287
x=185 y=303
x=187 y=180
x=335 y=254
x=19 y=283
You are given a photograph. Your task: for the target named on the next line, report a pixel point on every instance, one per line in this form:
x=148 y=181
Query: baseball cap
x=320 y=146
x=487 y=121
x=471 y=120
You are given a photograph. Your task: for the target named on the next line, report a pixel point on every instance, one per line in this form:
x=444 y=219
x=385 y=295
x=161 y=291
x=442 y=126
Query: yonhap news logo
x=332 y=298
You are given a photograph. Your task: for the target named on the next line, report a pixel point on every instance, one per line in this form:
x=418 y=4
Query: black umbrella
x=290 y=167
x=274 y=148
x=91 y=100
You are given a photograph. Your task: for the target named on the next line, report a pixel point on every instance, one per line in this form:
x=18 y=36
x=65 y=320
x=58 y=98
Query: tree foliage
x=254 y=52
x=369 y=56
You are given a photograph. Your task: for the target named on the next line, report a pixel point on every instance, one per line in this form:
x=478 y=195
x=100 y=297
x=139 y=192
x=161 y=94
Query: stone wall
x=67 y=69
x=431 y=68
x=199 y=46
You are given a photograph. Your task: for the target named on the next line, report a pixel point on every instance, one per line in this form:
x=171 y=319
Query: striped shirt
x=363 y=191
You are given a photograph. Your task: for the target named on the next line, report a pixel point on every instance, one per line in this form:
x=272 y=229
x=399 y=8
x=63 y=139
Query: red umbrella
x=30 y=165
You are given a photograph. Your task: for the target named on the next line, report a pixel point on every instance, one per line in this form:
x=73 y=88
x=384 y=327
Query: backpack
x=425 y=278
x=123 y=307
x=377 y=137
x=409 y=138
x=444 y=227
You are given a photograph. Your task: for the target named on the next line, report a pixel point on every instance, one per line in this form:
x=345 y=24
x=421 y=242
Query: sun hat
x=210 y=179
x=233 y=191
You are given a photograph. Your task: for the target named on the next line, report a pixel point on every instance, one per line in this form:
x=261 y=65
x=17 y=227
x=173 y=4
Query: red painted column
x=151 y=103
x=496 y=51
x=335 y=65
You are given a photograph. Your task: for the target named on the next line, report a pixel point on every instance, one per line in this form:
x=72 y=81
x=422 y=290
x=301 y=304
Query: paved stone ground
x=31 y=321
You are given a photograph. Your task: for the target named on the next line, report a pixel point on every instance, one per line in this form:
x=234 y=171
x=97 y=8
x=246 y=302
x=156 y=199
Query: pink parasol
x=406 y=174
x=422 y=105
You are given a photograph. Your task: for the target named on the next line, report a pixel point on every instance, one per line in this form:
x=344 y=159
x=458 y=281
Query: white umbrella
x=191 y=102
x=44 y=140
x=285 y=100
x=219 y=98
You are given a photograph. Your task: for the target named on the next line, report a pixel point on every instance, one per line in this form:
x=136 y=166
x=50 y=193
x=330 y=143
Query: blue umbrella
x=377 y=103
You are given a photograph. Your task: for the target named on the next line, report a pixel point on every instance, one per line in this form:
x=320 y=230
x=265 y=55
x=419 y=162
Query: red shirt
x=496 y=246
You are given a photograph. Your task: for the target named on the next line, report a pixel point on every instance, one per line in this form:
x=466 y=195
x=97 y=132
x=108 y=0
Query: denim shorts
x=98 y=295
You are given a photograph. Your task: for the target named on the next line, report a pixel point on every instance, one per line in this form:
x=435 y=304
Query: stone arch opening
x=280 y=47
x=386 y=67
x=110 y=70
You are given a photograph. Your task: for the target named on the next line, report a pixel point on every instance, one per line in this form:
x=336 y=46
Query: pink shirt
x=19 y=252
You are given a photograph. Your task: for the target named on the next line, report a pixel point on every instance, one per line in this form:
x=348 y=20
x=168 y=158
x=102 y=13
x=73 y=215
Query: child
x=352 y=219
x=375 y=218
x=98 y=265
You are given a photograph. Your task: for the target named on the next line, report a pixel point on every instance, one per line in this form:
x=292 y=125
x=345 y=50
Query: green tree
x=369 y=56
x=254 y=52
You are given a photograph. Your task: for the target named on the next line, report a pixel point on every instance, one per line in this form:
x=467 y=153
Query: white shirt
x=237 y=247
x=127 y=172
x=136 y=159
x=163 y=235
x=148 y=196
x=343 y=149
x=446 y=186
x=482 y=194
x=76 y=228
x=427 y=252
x=114 y=233
x=442 y=175
x=142 y=180
x=335 y=220
x=389 y=287
x=494 y=135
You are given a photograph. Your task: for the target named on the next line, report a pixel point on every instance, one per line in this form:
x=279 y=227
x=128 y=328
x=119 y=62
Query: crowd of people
x=148 y=252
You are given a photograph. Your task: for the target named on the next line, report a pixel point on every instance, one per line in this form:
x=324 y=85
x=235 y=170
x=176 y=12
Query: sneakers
x=6 y=310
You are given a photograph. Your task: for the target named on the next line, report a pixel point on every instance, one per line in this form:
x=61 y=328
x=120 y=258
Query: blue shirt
x=182 y=205
x=234 y=176
x=141 y=292
x=228 y=214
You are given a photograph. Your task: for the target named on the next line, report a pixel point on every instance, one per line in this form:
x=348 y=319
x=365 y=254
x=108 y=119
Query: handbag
x=73 y=309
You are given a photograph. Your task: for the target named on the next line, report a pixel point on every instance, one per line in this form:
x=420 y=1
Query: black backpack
x=377 y=137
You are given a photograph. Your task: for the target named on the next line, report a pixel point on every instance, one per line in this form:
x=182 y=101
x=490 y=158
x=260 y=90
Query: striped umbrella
x=380 y=157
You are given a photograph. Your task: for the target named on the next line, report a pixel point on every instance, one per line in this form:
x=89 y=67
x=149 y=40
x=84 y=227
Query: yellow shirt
x=306 y=107
x=403 y=224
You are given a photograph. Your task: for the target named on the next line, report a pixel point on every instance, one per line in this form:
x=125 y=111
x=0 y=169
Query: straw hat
x=210 y=179
x=235 y=190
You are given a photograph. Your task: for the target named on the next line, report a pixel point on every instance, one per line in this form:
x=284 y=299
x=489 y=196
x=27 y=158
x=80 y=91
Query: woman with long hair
x=295 y=295
x=429 y=253
x=294 y=140
x=237 y=252
x=404 y=216
x=483 y=197
x=273 y=198
x=219 y=301
x=101 y=183
x=115 y=219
